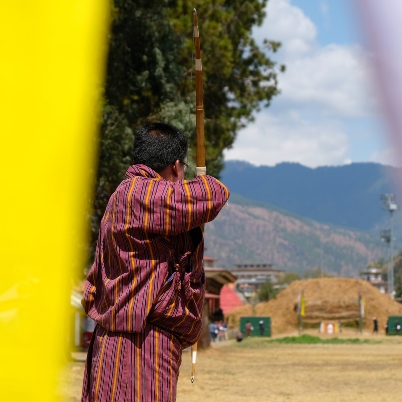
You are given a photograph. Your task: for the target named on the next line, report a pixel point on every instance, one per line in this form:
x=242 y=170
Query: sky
x=328 y=111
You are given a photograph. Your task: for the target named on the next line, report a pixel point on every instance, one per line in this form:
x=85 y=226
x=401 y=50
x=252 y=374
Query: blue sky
x=335 y=20
x=328 y=111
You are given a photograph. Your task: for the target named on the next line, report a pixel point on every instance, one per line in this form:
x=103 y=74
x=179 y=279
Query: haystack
x=326 y=299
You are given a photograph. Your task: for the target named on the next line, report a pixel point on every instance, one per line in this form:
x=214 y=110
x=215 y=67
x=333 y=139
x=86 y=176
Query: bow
x=199 y=129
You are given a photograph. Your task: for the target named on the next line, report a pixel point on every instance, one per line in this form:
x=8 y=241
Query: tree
x=288 y=278
x=142 y=78
x=148 y=78
x=397 y=275
x=266 y=291
x=238 y=76
x=316 y=273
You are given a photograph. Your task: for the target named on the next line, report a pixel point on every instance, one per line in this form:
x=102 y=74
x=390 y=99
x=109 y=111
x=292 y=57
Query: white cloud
x=322 y=89
x=334 y=78
x=289 y=25
x=387 y=156
x=289 y=138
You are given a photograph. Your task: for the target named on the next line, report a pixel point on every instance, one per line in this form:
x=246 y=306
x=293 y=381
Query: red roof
x=229 y=299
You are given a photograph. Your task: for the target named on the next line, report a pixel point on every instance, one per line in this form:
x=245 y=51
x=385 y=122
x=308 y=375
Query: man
x=262 y=329
x=397 y=327
x=146 y=287
x=239 y=337
x=213 y=331
x=248 y=327
x=375 y=325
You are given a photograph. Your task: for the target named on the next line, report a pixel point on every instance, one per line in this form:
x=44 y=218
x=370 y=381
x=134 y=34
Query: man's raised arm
x=180 y=206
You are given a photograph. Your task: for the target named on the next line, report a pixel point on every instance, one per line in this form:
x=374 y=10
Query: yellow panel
x=52 y=62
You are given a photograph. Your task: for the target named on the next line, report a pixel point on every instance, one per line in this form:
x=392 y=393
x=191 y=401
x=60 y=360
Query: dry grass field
x=258 y=370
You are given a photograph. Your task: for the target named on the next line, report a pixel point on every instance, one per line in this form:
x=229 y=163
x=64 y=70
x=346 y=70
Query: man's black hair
x=158 y=145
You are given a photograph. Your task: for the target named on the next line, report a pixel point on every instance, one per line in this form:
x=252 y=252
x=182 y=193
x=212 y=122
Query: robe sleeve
x=167 y=208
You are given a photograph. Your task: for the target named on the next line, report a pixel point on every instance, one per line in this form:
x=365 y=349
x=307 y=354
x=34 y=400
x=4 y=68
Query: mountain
x=347 y=196
x=249 y=231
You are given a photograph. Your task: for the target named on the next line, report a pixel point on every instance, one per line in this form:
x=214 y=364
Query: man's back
x=147 y=279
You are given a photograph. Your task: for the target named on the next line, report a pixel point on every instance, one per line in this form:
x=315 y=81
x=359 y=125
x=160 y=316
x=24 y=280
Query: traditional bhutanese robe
x=146 y=287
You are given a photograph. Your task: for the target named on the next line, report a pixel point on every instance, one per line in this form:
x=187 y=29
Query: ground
x=259 y=370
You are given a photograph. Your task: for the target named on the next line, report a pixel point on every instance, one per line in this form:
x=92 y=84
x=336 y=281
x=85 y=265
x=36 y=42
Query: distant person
x=226 y=330
x=248 y=327
x=386 y=328
x=397 y=327
x=218 y=315
x=375 y=326
x=222 y=331
x=239 y=337
x=213 y=331
x=262 y=329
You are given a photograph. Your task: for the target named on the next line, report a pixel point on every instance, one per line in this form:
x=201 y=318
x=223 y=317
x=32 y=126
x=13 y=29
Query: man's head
x=163 y=148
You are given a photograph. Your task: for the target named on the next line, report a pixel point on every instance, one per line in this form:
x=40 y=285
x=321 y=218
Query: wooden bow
x=200 y=148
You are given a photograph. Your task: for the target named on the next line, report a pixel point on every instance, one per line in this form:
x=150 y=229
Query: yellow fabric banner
x=303 y=306
x=51 y=70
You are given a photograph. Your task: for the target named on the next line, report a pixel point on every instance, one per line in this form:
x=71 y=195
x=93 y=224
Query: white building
x=374 y=276
x=250 y=276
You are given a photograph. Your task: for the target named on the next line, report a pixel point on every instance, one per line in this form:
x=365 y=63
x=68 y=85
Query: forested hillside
x=246 y=231
x=347 y=196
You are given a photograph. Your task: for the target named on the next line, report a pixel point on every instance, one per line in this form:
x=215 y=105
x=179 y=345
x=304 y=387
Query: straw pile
x=326 y=299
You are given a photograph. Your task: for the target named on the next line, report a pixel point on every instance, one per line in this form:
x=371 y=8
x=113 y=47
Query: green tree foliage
x=142 y=75
x=288 y=278
x=238 y=76
x=377 y=264
x=266 y=291
x=148 y=78
x=397 y=275
x=316 y=273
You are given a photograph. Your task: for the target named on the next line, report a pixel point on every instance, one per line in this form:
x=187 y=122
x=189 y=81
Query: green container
x=255 y=323
x=392 y=330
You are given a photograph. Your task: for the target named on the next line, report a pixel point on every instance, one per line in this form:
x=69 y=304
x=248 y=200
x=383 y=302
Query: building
x=209 y=262
x=231 y=298
x=250 y=276
x=216 y=278
x=374 y=276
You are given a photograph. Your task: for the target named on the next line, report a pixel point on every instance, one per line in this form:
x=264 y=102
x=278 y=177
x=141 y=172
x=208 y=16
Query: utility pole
x=361 y=312
x=322 y=261
x=389 y=204
x=385 y=235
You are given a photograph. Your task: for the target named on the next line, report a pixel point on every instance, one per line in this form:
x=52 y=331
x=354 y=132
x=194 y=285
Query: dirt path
x=259 y=371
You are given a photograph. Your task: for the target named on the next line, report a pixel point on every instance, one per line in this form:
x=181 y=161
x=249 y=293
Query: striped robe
x=146 y=287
